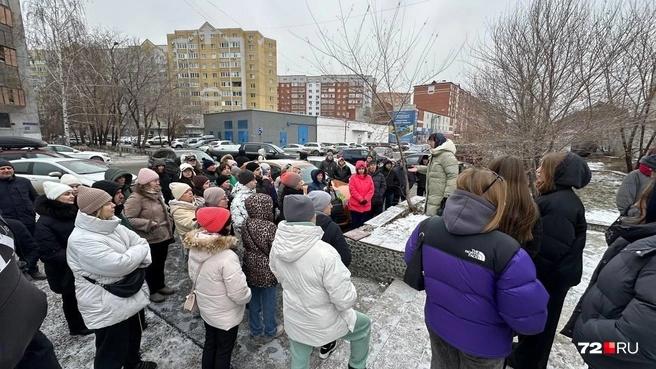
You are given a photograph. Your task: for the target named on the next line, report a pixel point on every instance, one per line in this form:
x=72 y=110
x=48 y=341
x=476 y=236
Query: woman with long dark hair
x=559 y=263
x=521 y=218
x=481 y=285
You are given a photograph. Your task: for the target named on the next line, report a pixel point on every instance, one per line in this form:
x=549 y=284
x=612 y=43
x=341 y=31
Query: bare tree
x=57 y=28
x=628 y=83
x=386 y=53
x=538 y=67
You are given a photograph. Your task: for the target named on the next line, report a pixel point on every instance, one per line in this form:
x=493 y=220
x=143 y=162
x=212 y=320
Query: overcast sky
x=458 y=22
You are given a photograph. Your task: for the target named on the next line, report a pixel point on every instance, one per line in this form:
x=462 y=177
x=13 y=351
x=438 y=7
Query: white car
x=74 y=153
x=295 y=149
x=179 y=142
x=39 y=170
x=158 y=140
x=315 y=148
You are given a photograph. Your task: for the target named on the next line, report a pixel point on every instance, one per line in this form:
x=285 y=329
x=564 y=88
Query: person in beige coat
x=149 y=216
x=183 y=208
x=441 y=172
x=219 y=284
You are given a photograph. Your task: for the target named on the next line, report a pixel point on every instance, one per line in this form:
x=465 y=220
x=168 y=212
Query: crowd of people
x=496 y=260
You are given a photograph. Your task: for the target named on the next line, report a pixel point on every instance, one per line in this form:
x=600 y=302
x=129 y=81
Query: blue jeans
x=263 y=307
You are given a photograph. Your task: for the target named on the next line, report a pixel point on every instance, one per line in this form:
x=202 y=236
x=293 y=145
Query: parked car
x=220 y=148
x=75 y=153
x=329 y=147
x=158 y=141
x=384 y=152
x=353 y=155
x=39 y=170
x=295 y=149
x=194 y=142
x=341 y=146
x=16 y=147
x=315 y=148
x=172 y=158
x=272 y=151
x=178 y=143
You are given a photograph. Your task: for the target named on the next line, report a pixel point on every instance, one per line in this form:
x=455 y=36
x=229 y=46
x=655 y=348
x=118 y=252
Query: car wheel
x=315 y=153
x=97 y=158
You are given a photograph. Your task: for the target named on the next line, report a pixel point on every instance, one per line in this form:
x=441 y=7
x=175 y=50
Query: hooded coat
x=380 y=186
x=342 y=173
x=17 y=200
x=164 y=180
x=632 y=186
x=105 y=251
x=618 y=304
x=238 y=207
x=184 y=216
x=481 y=287
x=361 y=187
x=257 y=234
x=112 y=174
x=149 y=216
x=55 y=224
x=316 y=185
x=220 y=284
x=318 y=295
x=559 y=262
x=441 y=175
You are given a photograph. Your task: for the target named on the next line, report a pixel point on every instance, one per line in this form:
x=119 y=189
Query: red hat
x=212 y=220
x=290 y=179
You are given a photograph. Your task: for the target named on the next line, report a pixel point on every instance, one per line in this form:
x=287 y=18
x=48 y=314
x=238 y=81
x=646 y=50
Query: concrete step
x=398 y=338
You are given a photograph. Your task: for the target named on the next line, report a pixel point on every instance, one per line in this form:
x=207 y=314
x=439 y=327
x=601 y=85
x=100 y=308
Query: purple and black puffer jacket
x=481 y=287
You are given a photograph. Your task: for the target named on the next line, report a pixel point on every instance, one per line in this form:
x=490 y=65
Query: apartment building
x=223 y=69
x=443 y=107
x=339 y=96
x=18 y=108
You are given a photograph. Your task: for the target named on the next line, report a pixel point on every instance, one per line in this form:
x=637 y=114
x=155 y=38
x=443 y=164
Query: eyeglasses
x=497 y=178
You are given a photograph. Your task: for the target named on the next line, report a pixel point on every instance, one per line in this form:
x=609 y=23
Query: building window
x=242 y=124
x=5 y=122
x=13 y=96
x=227 y=124
x=8 y=56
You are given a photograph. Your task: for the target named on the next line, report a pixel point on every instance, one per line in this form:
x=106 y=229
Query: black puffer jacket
x=380 y=185
x=55 y=224
x=342 y=173
x=316 y=185
x=328 y=167
x=620 y=302
x=17 y=200
x=559 y=262
x=333 y=235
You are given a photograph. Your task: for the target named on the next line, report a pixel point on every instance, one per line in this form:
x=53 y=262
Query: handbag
x=414 y=272
x=613 y=231
x=127 y=286
x=190 y=305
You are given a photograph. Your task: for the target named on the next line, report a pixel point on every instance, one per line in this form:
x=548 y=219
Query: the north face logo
x=476 y=254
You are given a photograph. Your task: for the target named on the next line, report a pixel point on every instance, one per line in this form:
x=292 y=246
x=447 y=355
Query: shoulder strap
x=200 y=267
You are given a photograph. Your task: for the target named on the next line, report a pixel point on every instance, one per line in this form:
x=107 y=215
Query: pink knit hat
x=146 y=176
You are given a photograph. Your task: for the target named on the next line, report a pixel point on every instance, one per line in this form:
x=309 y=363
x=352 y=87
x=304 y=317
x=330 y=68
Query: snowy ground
x=174 y=338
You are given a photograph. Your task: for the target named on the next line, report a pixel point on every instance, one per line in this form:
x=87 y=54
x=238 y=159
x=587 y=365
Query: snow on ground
x=394 y=235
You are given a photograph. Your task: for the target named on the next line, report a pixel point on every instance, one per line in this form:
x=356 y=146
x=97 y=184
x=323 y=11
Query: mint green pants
x=359 y=339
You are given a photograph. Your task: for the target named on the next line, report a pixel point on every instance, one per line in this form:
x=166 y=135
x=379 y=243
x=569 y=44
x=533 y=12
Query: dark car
x=353 y=155
x=16 y=147
x=172 y=158
x=272 y=151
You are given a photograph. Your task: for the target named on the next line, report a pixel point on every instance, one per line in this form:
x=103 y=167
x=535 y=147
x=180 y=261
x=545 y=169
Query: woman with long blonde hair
x=521 y=218
x=480 y=284
x=559 y=263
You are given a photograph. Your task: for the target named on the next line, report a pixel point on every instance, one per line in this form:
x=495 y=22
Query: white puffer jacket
x=221 y=288
x=318 y=295
x=238 y=211
x=105 y=251
x=184 y=216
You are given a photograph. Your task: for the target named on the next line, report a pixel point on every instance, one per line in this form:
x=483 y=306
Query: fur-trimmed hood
x=212 y=243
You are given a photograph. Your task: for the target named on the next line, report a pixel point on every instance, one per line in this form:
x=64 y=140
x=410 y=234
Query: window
x=12 y=96
x=225 y=74
x=44 y=169
x=234 y=44
x=195 y=93
x=252 y=85
x=22 y=168
x=5 y=122
x=242 y=124
x=227 y=124
x=8 y=56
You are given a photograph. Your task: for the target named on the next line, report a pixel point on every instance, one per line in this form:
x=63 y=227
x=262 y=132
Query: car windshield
x=276 y=148
x=83 y=166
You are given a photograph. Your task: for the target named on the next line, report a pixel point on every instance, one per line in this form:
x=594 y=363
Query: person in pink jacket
x=361 y=187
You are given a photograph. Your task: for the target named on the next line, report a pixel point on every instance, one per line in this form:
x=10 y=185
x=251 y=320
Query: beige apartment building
x=223 y=69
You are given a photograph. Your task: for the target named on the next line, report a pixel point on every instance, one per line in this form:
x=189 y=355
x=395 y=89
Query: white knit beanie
x=69 y=179
x=178 y=189
x=54 y=189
